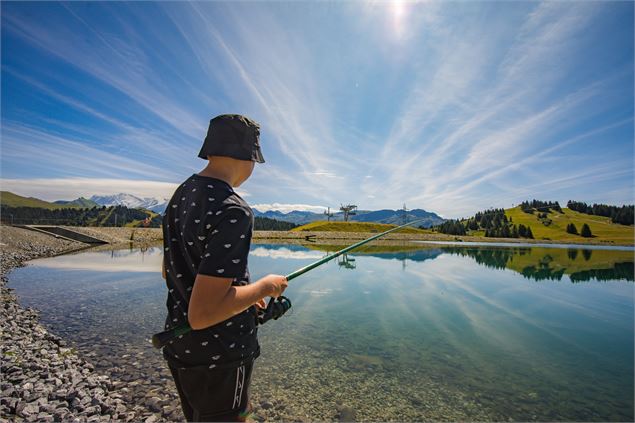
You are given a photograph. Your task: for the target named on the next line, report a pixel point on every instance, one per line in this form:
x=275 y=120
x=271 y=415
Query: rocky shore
x=43 y=379
x=117 y=235
x=46 y=378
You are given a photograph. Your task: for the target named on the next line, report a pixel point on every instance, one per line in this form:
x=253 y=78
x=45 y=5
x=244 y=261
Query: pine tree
x=529 y=233
x=572 y=229
x=586 y=231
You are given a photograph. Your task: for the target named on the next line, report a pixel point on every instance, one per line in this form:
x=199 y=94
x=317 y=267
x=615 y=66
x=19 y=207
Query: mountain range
x=298 y=217
x=154 y=204
x=377 y=216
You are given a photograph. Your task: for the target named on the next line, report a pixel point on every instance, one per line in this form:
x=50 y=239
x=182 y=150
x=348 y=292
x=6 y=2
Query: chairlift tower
x=404 y=216
x=346 y=262
x=328 y=214
x=348 y=210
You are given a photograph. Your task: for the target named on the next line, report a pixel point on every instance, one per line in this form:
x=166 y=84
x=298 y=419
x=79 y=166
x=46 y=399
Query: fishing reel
x=275 y=309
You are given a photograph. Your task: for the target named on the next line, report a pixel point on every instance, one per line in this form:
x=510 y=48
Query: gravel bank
x=43 y=378
x=116 y=235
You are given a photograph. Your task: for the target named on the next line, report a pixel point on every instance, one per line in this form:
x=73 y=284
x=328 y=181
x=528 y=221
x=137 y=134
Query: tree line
x=494 y=222
x=107 y=216
x=623 y=215
x=94 y=216
x=541 y=206
x=267 y=224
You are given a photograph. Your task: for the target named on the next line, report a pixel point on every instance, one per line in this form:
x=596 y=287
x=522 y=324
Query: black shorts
x=213 y=394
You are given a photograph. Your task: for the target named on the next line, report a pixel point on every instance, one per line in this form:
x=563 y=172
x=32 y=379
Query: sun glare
x=398 y=10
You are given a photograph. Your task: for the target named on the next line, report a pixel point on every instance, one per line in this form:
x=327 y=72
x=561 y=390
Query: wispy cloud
x=72 y=188
x=112 y=60
x=503 y=122
x=35 y=149
x=439 y=105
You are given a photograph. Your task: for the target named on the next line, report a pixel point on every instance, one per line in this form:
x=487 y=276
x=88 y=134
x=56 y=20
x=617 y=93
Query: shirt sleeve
x=227 y=246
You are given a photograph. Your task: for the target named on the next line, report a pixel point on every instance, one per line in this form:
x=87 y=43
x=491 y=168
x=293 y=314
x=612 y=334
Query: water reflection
x=110 y=259
x=459 y=333
x=536 y=263
x=285 y=252
x=552 y=264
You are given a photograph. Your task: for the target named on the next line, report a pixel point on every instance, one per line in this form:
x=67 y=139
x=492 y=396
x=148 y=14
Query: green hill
x=323 y=226
x=13 y=200
x=554 y=226
x=79 y=202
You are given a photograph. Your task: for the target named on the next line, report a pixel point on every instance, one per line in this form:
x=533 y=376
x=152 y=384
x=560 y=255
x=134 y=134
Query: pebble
x=42 y=379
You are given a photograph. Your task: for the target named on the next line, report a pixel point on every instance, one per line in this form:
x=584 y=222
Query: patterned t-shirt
x=207 y=229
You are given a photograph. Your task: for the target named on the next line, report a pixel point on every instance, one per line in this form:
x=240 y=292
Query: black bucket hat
x=233 y=136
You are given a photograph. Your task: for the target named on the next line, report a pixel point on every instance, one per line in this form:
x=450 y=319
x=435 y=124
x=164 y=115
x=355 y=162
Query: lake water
x=413 y=332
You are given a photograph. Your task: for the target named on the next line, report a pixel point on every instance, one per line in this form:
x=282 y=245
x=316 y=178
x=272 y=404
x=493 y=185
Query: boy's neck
x=218 y=174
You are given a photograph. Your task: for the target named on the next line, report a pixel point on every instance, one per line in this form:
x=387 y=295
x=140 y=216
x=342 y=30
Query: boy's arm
x=214 y=299
x=163 y=268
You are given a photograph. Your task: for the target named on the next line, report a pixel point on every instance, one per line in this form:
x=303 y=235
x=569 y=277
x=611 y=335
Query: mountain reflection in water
x=552 y=264
x=536 y=263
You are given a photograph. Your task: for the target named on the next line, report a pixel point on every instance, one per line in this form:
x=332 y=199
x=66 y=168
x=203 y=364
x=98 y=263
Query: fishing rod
x=281 y=304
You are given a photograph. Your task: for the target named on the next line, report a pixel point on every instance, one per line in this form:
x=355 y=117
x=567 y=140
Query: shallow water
x=426 y=333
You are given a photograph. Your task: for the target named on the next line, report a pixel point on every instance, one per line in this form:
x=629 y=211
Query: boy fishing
x=207 y=229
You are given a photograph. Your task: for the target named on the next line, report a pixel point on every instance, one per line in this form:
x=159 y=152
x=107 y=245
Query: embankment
x=43 y=378
x=155 y=235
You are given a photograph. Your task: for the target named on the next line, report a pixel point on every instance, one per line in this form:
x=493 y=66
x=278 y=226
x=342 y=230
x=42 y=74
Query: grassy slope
x=601 y=227
x=13 y=200
x=323 y=226
x=139 y=223
x=84 y=203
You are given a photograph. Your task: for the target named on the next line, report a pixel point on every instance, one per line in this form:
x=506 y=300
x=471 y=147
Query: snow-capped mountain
x=157 y=205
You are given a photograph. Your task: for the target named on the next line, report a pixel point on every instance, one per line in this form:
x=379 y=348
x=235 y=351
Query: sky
x=453 y=107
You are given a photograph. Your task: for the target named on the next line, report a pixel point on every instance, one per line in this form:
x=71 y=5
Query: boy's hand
x=274 y=284
x=261 y=303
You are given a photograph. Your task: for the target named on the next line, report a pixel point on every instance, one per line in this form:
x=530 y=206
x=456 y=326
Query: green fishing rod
x=159 y=340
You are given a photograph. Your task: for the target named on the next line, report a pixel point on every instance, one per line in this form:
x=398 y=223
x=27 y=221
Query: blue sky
x=452 y=107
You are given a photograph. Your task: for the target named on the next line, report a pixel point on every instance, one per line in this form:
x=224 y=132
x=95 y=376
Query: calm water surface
x=412 y=333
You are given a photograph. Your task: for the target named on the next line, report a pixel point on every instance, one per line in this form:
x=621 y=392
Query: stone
x=346 y=414
x=29 y=409
x=45 y=417
x=154 y=404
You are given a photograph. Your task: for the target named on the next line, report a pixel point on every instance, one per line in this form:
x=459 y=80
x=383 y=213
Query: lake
x=409 y=332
